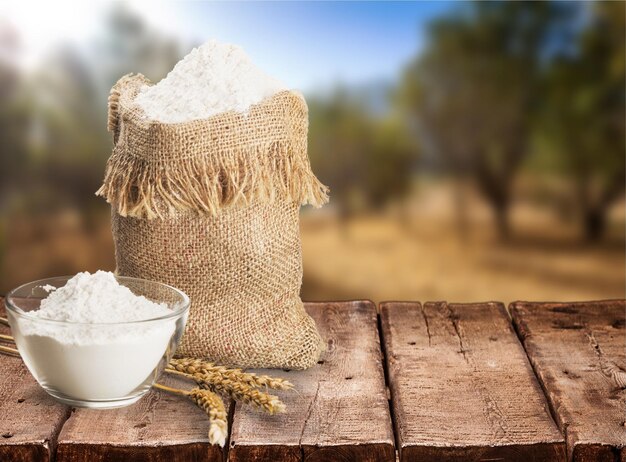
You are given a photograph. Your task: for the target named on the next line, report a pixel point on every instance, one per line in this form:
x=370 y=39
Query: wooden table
x=431 y=382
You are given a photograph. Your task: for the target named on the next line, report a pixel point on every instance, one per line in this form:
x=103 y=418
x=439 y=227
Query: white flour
x=93 y=362
x=96 y=298
x=212 y=79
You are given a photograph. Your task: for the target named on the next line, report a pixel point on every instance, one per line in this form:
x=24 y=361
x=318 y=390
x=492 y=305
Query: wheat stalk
x=214 y=407
x=9 y=351
x=239 y=391
x=193 y=366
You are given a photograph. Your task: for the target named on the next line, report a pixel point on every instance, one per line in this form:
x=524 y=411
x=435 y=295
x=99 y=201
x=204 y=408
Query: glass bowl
x=96 y=365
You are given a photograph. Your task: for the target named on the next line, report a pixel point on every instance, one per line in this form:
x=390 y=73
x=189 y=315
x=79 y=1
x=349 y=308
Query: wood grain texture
x=159 y=427
x=30 y=420
x=568 y=343
x=462 y=387
x=339 y=411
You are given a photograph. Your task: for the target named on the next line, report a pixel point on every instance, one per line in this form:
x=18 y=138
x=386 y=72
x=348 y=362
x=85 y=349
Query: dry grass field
x=423 y=257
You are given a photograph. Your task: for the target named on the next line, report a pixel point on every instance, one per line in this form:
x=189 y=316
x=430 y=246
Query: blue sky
x=308 y=45
x=311 y=45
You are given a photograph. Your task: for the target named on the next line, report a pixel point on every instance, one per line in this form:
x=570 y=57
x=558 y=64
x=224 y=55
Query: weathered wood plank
x=340 y=409
x=568 y=345
x=159 y=427
x=30 y=420
x=462 y=388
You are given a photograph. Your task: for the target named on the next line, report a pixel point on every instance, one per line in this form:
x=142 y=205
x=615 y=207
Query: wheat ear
x=192 y=366
x=249 y=395
x=238 y=391
x=214 y=407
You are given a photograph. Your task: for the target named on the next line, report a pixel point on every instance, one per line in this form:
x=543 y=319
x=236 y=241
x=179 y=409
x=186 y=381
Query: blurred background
x=474 y=151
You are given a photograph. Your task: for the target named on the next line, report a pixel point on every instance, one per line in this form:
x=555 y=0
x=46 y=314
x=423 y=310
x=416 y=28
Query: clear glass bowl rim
x=17 y=311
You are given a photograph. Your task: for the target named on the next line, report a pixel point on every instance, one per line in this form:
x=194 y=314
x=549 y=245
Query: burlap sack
x=211 y=206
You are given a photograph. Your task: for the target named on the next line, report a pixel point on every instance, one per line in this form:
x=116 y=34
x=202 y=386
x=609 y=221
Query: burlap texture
x=211 y=207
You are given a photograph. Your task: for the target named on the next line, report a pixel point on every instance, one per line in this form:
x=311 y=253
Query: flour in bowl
x=212 y=79
x=94 y=339
x=97 y=298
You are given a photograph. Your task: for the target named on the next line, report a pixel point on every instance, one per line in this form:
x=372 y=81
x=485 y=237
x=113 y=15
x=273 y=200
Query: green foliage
x=55 y=120
x=585 y=115
x=498 y=77
x=366 y=160
x=390 y=161
x=13 y=132
x=475 y=89
x=493 y=83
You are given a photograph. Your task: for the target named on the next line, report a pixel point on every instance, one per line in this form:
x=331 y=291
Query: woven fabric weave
x=211 y=207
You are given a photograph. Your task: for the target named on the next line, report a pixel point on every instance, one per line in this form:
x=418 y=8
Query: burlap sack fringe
x=141 y=188
x=158 y=187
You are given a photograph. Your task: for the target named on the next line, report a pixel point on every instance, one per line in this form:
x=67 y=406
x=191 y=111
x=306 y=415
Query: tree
x=14 y=122
x=338 y=135
x=585 y=117
x=13 y=130
x=389 y=161
x=475 y=90
x=365 y=159
x=68 y=143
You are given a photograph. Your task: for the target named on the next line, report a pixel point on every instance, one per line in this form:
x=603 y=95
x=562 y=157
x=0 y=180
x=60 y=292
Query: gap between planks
x=80 y=440
x=570 y=346
x=466 y=361
x=343 y=410
x=49 y=446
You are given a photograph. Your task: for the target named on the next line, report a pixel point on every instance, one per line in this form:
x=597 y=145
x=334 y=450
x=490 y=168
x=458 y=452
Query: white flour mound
x=212 y=79
x=97 y=298
x=101 y=358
